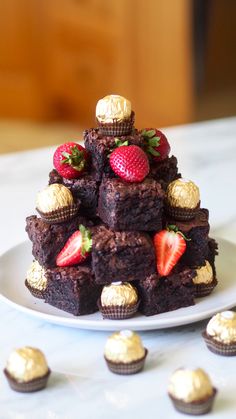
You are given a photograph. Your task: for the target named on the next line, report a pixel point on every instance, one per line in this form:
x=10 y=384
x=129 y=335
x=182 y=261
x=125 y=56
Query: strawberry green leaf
x=86 y=239
x=154 y=141
x=150 y=133
x=75 y=159
x=153 y=152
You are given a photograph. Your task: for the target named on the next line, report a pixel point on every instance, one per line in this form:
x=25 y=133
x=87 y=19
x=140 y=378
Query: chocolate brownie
x=83 y=189
x=49 y=239
x=121 y=256
x=164 y=171
x=72 y=289
x=100 y=146
x=167 y=293
x=196 y=232
x=131 y=206
x=212 y=253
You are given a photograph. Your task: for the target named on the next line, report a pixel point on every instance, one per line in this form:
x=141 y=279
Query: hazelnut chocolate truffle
x=220 y=333
x=204 y=280
x=27 y=370
x=55 y=204
x=124 y=353
x=114 y=115
x=36 y=281
x=191 y=391
x=119 y=300
x=182 y=199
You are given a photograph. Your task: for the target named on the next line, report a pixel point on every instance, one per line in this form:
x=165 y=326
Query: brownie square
x=131 y=206
x=72 y=289
x=164 y=171
x=167 y=293
x=121 y=256
x=212 y=253
x=100 y=146
x=196 y=231
x=49 y=239
x=83 y=189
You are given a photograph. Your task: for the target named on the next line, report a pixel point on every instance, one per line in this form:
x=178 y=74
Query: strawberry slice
x=76 y=249
x=170 y=245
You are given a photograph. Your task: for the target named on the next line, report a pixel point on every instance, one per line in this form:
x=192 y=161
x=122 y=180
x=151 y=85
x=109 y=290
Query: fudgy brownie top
x=183 y=277
x=80 y=275
x=200 y=220
x=93 y=135
x=118 y=189
x=110 y=241
x=82 y=181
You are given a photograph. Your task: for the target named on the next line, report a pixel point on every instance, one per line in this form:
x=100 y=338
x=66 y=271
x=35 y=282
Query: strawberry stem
x=75 y=159
x=153 y=142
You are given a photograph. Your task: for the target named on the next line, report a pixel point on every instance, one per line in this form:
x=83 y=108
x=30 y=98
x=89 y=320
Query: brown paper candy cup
x=122 y=368
x=195 y=408
x=34 y=291
x=117 y=128
x=29 y=387
x=60 y=215
x=118 y=312
x=182 y=214
x=219 y=348
x=202 y=290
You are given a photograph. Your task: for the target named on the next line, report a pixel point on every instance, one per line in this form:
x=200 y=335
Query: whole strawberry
x=169 y=245
x=76 y=249
x=70 y=160
x=130 y=163
x=156 y=143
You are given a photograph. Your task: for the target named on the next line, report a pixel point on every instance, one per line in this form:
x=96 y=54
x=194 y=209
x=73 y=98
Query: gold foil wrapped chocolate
x=36 y=276
x=119 y=294
x=113 y=107
x=204 y=274
x=26 y=364
x=222 y=327
x=54 y=197
x=125 y=346
x=183 y=193
x=190 y=385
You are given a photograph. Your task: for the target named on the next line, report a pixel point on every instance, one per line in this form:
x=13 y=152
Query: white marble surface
x=80 y=385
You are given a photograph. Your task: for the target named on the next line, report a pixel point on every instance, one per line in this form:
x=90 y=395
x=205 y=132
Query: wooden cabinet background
x=58 y=57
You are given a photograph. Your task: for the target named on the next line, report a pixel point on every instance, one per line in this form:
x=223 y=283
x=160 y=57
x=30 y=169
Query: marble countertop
x=81 y=386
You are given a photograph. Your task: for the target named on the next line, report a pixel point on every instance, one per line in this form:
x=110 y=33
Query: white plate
x=15 y=262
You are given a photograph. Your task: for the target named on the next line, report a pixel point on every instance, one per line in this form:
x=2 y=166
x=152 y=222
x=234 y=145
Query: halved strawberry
x=76 y=249
x=169 y=245
x=70 y=160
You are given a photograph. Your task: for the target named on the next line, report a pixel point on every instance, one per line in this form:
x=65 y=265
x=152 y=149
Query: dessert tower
x=119 y=229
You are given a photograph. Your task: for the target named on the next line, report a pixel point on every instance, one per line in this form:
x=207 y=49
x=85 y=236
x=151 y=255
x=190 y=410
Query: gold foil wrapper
x=183 y=193
x=222 y=327
x=113 y=107
x=190 y=385
x=26 y=364
x=119 y=294
x=124 y=346
x=204 y=274
x=36 y=276
x=54 y=197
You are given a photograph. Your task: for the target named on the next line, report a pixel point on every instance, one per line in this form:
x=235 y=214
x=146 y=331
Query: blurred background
x=174 y=59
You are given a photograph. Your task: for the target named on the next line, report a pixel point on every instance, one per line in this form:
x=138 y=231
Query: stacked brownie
x=123 y=218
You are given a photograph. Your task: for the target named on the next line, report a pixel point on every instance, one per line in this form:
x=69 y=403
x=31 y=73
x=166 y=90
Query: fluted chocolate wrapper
x=34 y=291
x=117 y=128
x=202 y=290
x=123 y=368
x=195 y=408
x=219 y=348
x=60 y=215
x=181 y=214
x=118 y=312
x=30 y=386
